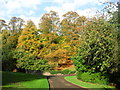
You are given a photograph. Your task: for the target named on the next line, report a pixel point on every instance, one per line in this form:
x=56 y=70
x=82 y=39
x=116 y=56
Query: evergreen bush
x=92 y=77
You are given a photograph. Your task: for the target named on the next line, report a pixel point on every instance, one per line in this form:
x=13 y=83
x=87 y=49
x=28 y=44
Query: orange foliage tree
x=28 y=49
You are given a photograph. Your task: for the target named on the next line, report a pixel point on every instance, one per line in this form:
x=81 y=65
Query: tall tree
x=15 y=24
x=98 y=48
x=2 y=24
x=10 y=34
x=49 y=22
x=72 y=25
x=9 y=44
x=28 y=49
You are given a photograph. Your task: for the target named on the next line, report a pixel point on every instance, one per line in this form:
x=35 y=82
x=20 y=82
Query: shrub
x=78 y=74
x=92 y=77
x=55 y=72
x=66 y=71
x=72 y=72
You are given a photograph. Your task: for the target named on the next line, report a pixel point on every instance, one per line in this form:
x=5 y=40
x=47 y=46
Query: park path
x=59 y=83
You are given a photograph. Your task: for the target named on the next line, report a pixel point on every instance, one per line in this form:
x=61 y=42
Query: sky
x=34 y=9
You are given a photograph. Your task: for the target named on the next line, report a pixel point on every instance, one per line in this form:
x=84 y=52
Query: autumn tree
x=59 y=55
x=60 y=46
x=51 y=41
x=72 y=25
x=28 y=49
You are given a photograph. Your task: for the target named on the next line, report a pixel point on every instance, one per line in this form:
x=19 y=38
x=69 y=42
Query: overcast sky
x=34 y=9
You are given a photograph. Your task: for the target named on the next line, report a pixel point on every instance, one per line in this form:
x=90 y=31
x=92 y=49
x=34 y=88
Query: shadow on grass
x=14 y=77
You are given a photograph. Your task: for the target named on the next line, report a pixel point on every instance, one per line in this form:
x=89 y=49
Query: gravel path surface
x=59 y=83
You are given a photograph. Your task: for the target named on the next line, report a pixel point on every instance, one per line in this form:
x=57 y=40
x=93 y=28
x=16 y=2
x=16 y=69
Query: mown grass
x=22 y=80
x=74 y=80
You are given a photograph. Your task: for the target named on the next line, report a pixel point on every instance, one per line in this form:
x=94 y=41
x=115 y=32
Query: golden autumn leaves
x=56 y=41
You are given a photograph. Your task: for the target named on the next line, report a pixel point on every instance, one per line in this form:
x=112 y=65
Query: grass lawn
x=74 y=80
x=22 y=80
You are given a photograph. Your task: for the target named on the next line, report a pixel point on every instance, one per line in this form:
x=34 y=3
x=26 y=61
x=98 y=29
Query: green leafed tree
x=9 y=44
x=15 y=25
x=2 y=24
x=72 y=25
x=98 y=47
x=49 y=22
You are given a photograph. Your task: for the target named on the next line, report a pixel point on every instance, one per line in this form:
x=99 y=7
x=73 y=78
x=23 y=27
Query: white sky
x=34 y=9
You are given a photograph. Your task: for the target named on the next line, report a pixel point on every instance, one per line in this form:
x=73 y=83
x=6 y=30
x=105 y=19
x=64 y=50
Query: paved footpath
x=59 y=83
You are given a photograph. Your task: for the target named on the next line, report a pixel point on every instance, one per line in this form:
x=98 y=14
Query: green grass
x=74 y=80
x=22 y=80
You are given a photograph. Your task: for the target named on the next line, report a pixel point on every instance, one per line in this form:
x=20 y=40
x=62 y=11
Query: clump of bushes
x=55 y=72
x=72 y=72
x=92 y=77
x=66 y=71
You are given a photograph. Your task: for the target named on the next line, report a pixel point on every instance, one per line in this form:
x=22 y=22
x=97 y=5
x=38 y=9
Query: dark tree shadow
x=13 y=77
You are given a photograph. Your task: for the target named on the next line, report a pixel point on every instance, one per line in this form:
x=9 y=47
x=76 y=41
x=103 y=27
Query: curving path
x=59 y=83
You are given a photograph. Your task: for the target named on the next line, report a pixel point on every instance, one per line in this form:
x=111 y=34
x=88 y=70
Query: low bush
x=80 y=83
x=55 y=72
x=92 y=77
x=66 y=71
x=72 y=72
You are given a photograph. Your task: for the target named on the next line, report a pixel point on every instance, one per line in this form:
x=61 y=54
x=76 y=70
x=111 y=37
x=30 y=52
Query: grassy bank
x=75 y=81
x=22 y=80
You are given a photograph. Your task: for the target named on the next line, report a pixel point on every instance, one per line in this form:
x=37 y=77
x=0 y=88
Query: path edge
x=75 y=84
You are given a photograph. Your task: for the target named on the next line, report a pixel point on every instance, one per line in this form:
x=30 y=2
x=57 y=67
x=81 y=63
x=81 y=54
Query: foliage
x=78 y=61
x=80 y=83
x=15 y=25
x=2 y=24
x=91 y=44
x=55 y=71
x=92 y=77
x=72 y=25
x=97 y=48
x=9 y=44
x=115 y=21
x=66 y=71
x=55 y=49
x=27 y=50
x=10 y=33
x=30 y=63
x=49 y=22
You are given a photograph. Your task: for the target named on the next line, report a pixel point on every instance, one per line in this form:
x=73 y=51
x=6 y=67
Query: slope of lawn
x=75 y=81
x=22 y=80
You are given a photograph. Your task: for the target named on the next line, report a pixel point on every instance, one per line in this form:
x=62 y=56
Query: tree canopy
x=91 y=44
